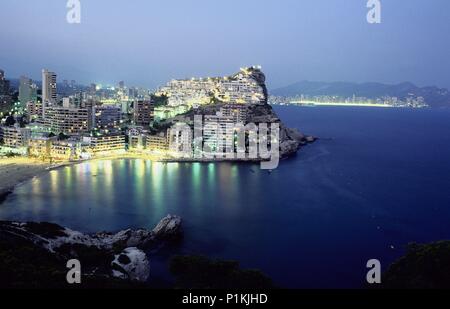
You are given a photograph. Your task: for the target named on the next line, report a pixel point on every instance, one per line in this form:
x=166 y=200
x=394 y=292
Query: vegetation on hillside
x=425 y=266
x=203 y=273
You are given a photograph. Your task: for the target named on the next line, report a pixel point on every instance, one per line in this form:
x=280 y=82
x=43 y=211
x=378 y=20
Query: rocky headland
x=35 y=254
x=424 y=266
x=255 y=111
x=291 y=140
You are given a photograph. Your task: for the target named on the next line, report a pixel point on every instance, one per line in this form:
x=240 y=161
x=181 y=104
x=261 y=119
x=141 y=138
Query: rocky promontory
x=227 y=99
x=35 y=255
x=38 y=252
x=291 y=140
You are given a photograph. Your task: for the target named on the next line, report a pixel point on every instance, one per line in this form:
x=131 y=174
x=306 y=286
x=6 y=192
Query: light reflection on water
x=124 y=193
x=312 y=222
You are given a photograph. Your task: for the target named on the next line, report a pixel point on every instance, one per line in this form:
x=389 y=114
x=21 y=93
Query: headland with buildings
x=64 y=123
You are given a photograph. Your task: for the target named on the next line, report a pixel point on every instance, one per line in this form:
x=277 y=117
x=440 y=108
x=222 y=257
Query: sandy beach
x=13 y=171
x=16 y=170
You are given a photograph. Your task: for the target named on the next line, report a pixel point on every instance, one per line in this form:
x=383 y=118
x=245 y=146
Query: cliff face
x=260 y=78
x=291 y=139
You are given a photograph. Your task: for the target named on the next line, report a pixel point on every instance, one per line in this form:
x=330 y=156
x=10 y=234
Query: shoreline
x=22 y=169
x=25 y=169
x=15 y=171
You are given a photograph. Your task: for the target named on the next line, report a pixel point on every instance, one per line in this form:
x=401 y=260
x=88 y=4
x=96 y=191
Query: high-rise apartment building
x=5 y=98
x=49 y=94
x=34 y=110
x=157 y=142
x=15 y=136
x=4 y=84
x=107 y=116
x=27 y=91
x=179 y=137
x=105 y=143
x=143 y=112
x=218 y=134
x=70 y=121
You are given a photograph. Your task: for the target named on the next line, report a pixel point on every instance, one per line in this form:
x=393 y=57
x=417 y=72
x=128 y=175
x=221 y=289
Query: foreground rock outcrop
x=34 y=255
x=425 y=266
x=103 y=255
x=131 y=264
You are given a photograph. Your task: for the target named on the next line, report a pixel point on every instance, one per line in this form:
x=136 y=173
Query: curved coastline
x=15 y=171
x=25 y=168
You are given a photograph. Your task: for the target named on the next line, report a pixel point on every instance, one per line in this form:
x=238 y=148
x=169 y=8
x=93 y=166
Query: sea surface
x=377 y=180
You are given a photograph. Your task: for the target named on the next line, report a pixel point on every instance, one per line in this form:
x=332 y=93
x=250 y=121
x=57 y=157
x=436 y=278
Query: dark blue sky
x=147 y=42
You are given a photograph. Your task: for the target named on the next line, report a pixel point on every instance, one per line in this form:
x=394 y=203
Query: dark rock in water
x=169 y=228
x=101 y=254
x=310 y=139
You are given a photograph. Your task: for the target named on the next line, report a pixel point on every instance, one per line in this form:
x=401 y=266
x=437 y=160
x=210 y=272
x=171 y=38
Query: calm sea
x=376 y=181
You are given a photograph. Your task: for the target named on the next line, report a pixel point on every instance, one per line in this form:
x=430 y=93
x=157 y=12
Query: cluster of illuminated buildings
x=411 y=101
x=96 y=122
x=185 y=94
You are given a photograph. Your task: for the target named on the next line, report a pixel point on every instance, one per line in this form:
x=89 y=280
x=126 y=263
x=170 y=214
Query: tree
x=10 y=121
x=22 y=122
x=62 y=136
x=161 y=100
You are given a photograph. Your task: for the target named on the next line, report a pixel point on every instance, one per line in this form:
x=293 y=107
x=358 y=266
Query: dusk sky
x=146 y=43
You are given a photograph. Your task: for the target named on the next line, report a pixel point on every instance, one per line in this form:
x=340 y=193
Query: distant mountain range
x=434 y=96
